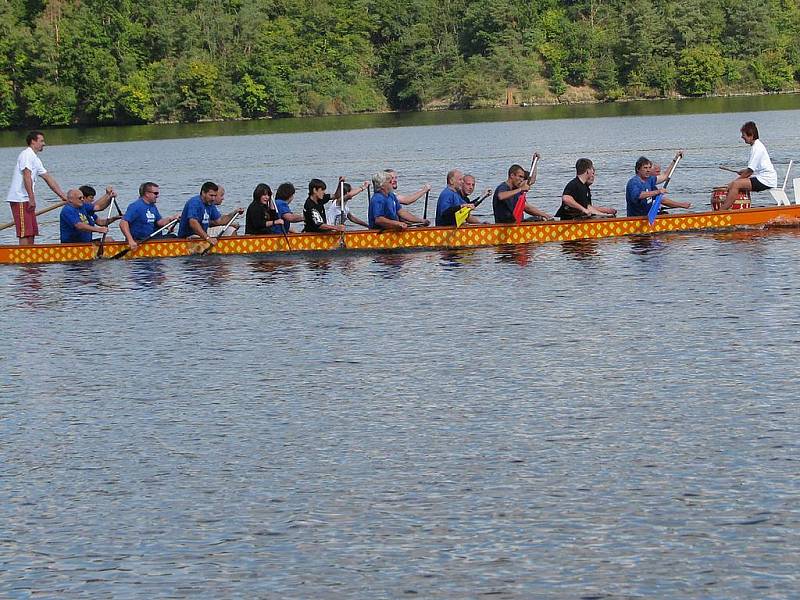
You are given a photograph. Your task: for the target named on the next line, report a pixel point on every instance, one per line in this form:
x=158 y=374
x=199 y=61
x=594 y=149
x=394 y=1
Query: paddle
x=38 y=212
x=369 y=194
x=108 y=220
x=729 y=169
x=283 y=228
x=425 y=212
x=224 y=229
x=519 y=207
x=463 y=213
x=169 y=225
x=341 y=215
x=653 y=212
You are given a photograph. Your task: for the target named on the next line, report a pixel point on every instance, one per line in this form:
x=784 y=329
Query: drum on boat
x=743 y=201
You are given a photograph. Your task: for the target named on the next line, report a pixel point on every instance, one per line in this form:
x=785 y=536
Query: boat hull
x=431 y=237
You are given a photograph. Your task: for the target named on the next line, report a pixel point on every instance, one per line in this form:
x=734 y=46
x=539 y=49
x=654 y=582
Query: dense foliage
x=104 y=61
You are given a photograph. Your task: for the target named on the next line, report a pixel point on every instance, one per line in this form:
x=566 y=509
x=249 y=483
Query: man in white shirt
x=21 y=197
x=759 y=175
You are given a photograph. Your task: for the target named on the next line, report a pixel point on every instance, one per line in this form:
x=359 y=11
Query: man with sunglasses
x=142 y=217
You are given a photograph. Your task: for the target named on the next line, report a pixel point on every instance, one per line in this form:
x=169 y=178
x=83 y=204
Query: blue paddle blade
x=653 y=212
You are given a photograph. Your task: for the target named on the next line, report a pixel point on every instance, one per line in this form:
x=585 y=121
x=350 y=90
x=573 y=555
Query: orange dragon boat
x=413 y=238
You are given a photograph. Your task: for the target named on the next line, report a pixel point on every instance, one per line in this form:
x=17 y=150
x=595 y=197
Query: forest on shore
x=65 y=62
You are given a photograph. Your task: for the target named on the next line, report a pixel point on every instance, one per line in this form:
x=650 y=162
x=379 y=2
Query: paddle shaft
x=108 y=217
x=224 y=229
x=283 y=227
x=729 y=169
x=38 y=212
x=425 y=212
x=169 y=225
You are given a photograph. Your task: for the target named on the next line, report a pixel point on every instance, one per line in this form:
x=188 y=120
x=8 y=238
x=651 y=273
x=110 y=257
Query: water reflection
x=393 y=262
x=645 y=244
x=580 y=250
x=518 y=255
x=147 y=273
x=452 y=259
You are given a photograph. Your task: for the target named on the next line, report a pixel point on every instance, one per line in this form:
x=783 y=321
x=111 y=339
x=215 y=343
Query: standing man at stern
x=21 y=195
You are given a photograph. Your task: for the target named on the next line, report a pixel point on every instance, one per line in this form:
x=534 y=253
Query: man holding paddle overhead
x=142 y=216
x=200 y=213
x=643 y=187
x=576 y=199
x=509 y=202
x=21 y=195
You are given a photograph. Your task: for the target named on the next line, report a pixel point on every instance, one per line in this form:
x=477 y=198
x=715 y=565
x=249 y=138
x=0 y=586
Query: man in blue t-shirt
x=385 y=211
x=642 y=188
x=75 y=223
x=142 y=217
x=200 y=212
x=450 y=201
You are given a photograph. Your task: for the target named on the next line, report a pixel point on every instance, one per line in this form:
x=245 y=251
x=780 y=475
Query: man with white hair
x=385 y=210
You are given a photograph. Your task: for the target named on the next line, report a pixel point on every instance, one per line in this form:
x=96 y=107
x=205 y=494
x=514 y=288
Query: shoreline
x=428 y=109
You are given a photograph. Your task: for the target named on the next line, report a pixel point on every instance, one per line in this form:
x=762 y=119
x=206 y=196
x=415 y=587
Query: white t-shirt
x=761 y=165
x=333 y=213
x=27 y=159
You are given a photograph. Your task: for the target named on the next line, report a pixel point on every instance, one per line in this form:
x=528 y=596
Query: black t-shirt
x=504 y=209
x=256 y=218
x=581 y=193
x=314 y=214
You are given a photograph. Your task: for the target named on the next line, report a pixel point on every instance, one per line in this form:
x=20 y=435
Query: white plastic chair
x=779 y=194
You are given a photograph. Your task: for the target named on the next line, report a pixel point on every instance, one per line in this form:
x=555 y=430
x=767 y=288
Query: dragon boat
x=413 y=238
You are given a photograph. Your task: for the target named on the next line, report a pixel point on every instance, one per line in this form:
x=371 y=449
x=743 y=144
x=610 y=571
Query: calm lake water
x=610 y=419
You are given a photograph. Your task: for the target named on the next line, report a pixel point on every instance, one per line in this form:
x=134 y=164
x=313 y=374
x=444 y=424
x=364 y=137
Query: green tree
x=699 y=70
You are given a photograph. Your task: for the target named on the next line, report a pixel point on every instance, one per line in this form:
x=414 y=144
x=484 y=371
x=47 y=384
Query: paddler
x=385 y=210
x=450 y=200
x=142 y=217
x=507 y=194
x=200 y=213
x=75 y=223
x=576 y=199
x=643 y=187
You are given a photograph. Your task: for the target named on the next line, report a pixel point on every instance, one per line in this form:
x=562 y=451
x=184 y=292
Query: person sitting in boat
x=338 y=215
x=142 y=217
x=450 y=200
x=468 y=188
x=385 y=210
x=314 y=215
x=759 y=175
x=92 y=206
x=261 y=217
x=643 y=187
x=217 y=230
x=512 y=191
x=406 y=199
x=200 y=213
x=76 y=224
x=102 y=203
x=576 y=199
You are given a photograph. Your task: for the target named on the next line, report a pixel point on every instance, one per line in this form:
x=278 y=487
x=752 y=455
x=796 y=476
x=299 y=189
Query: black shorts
x=757 y=185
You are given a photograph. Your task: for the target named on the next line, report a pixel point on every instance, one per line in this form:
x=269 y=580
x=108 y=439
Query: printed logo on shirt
x=151 y=217
x=316 y=217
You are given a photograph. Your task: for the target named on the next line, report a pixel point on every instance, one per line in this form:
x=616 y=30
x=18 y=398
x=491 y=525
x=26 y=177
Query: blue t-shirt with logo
x=638 y=207
x=382 y=205
x=71 y=216
x=197 y=209
x=142 y=218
